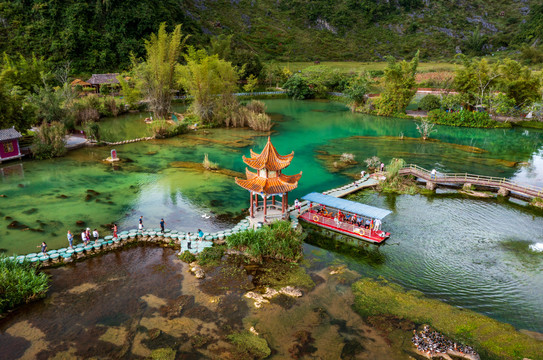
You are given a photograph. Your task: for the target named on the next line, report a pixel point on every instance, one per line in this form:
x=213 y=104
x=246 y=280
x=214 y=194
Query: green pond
x=469 y=252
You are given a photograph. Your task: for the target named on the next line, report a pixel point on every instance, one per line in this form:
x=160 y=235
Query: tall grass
x=278 y=241
x=208 y=164
x=20 y=283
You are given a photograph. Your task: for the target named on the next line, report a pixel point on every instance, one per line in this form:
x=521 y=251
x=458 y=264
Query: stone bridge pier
x=503 y=192
x=430 y=185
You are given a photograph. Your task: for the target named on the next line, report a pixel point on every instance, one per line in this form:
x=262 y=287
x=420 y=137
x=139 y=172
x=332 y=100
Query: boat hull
x=374 y=237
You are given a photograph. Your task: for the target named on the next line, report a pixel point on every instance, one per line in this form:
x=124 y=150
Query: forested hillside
x=98 y=35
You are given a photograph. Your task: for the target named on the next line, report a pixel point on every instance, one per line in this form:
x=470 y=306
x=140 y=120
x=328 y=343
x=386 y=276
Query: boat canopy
x=346 y=205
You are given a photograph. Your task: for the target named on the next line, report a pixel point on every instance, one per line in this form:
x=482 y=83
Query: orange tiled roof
x=277 y=185
x=269 y=158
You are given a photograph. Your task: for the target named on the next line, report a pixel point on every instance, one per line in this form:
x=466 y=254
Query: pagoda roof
x=269 y=158
x=277 y=185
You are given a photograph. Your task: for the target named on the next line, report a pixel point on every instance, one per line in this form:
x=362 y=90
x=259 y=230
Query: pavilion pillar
x=283 y=204
x=256 y=200
x=273 y=199
x=251 y=210
x=265 y=207
x=286 y=200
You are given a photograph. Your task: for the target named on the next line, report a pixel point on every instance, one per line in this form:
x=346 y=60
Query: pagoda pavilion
x=268 y=180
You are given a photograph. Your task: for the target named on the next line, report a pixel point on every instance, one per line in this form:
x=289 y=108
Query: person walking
x=114 y=231
x=43 y=247
x=200 y=234
x=70 y=239
x=162 y=224
x=95 y=235
x=297 y=205
x=140 y=225
x=382 y=167
x=84 y=237
x=88 y=235
x=433 y=174
x=188 y=241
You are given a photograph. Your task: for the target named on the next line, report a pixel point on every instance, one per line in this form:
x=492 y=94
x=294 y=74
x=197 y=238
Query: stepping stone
x=109 y=237
x=44 y=258
x=66 y=255
x=52 y=252
x=79 y=250
x=31 y=255
x=34 y=259
x=69 y=252
x=54 y=256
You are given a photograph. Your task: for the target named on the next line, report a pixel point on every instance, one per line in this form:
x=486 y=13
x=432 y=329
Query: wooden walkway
x=465 y=178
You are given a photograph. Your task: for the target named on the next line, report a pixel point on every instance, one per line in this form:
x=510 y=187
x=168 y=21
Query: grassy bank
x=465 y=119
x=20 y=283
x=357 y=66
x=277 y=241
x=491 y=338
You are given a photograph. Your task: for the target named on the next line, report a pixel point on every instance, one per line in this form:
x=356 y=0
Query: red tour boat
x=345 y=217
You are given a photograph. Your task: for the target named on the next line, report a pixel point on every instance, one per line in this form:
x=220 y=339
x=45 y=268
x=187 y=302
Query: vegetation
x=298 y=88
x=277 y=240
x=211 y=256
x=465 y=118
x=425 y=129
x=250 y=345
x=20 y=283
x=399 y=82
x=49 y=141
x=157 y=74
x=209 y=165
x=489 y=337
x=394 y=183
x=357 y=89
x=373 y=162
x=187 y=257
x=430 y=102
x=162 y=129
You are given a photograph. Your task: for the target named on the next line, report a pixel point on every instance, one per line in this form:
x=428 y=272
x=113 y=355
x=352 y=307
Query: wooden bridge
x=504 y=186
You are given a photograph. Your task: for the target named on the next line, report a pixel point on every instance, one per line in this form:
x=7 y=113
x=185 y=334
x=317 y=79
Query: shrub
x=278 y=241
x=187 y=257
x=20 y=283
x=87 y=109
x=430 y=102
x=464 y=118
x=162 y=129
x=258 y=107
x=250 y=345
x=209 y=165
x=373 y=162
x=211 y=256
x=298 y=88
x=259 y=122
x=92 y=131
x=49 y=141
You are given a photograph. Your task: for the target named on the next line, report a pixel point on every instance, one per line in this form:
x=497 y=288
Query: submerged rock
x=270 y=293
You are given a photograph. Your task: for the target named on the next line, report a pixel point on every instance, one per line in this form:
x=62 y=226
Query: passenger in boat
x=367 y=225
x=336 y=219
x=377 y=225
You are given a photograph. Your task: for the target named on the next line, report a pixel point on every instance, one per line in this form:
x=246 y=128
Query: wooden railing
x=492 y=181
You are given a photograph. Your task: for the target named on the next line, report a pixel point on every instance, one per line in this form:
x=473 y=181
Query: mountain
x=98 y=35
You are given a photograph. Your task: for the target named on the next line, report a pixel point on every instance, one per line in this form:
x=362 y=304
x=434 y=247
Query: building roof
x=346 y=205
x=277 y=185
x=269 y=158
x=79 y=82
x=97 y=79
x=9 y=134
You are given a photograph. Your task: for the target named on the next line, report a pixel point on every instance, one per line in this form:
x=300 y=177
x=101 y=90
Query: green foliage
x=130 y=92
x=53 y=104
x=49 y=141
x=476 y=78
x=14 y=110
x=298 y=88
x=204 y=77
x=474 y=44
x=92 y=130
x=20 y=283
x=492 y=339
x=157 y=74
x=187 y=257
x=162 y=129
x=430 y=102
x=465 y=118
x=252 y=82
x=519 y=82
x=19 y=71
x=211 y=256
x=278 y=241
x=500 y=104
x=357 y=89
x=400 y=86
x=250 y=345
x=531 y=54
x=321 y=79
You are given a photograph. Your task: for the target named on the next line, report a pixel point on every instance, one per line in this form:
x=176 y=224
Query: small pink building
x=9 y=144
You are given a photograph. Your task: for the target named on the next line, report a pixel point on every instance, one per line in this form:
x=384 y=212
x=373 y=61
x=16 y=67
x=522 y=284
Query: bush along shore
x=20 y=282
x=376 y=300
x=465 y=118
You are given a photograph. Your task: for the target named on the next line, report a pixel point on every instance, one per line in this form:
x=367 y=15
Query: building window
x=8 y=147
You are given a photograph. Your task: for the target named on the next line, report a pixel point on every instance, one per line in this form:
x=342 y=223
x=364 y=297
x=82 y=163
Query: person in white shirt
x=84 y=237
x=95 y=235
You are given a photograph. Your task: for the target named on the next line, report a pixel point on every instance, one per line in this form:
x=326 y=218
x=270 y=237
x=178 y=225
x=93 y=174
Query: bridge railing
x=466 y=177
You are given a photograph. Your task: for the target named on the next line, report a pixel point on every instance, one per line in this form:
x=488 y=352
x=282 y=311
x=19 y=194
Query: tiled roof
x=269 y=158
x=277 y=185
x=9 y=134
x=79 y=82
x=97 y=79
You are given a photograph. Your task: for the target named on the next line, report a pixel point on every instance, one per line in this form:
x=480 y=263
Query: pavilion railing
x=418 y=171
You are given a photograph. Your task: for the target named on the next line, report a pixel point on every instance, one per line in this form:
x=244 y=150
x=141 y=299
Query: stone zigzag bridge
x=504 y=186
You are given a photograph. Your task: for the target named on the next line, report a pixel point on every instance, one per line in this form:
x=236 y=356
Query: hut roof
x=97 y=79
x=269 y=158
x=79 y=82
x=9 y=134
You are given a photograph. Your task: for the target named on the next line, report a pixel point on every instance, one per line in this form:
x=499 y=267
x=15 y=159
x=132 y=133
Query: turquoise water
x=461 y=250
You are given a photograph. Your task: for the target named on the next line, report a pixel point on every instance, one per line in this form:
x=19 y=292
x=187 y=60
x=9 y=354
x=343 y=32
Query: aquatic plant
x=209 y=165
x=187 y=257
x=347 y=158
x=425 y=128
x=373 y=162
x=211 y=256
x=20 y=283
x=397 y=184
x=250 y=345
x=490 y=338
x=277 y=240
x=258 y=107
x=259 y=122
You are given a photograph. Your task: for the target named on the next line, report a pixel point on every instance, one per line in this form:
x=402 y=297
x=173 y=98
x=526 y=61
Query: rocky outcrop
x=197 y=270
x=260 y=299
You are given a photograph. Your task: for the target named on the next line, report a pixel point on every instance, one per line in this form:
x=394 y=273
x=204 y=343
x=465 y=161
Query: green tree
x=298 y=88
x=400 y=86
x=14 y=110
x=519 y=83
x=221 y=46
x=209 y=80
x=131 y=93
x=430 y=102
x=157 y=73
x=475 y=79
x=49 y=140
x=357 y=89
x=474 y=44
x=252 y=82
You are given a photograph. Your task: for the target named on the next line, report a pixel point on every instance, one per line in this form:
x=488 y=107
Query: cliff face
x=100 y=34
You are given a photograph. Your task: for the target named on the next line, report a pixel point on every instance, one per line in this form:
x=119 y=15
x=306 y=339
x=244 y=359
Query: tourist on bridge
x=95 y=235
x=188 y=241
x=43 y=247
x=362 y=174
x=84 y=237
x=200 y=234
x=297 y=205
x=162 y=224
x=70 y=239
x=140 y=225
x=433 y=174
x=88 y=235
x=114 y=231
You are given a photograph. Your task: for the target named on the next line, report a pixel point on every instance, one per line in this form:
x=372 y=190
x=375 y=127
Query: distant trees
x=400 y=86
x=357 y=89
x=157 y=73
